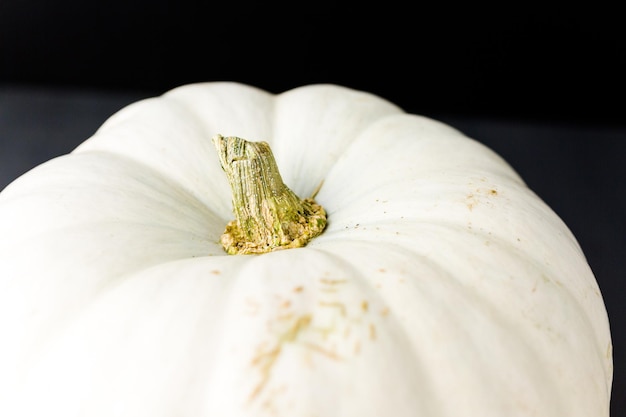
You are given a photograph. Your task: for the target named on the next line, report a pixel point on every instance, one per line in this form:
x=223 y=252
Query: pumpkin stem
x=269 y=216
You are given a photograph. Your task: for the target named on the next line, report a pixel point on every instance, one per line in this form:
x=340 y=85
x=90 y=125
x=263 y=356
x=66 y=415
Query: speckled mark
x=265 y=361
x=328 y=281
x=330 y=285
x=329 y=325
x=477 y=195
x=252 y=307
x=372 y=331
x=470 y=201
x=341 y=307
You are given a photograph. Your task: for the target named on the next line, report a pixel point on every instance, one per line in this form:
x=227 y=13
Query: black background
x=522 y=61
x=542 y=85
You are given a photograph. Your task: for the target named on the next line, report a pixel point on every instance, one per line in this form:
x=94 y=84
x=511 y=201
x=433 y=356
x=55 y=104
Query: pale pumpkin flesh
x=441 y=286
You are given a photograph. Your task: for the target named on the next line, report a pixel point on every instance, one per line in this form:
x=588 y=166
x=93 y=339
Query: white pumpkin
x=442 y=285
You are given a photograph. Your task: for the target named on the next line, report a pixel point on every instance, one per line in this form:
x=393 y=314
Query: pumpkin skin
x=442 y=286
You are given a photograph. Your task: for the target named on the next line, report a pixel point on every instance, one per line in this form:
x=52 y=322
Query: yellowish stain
x=252 y=307
x=285 y=317
x=337 y=331
x=470 y=201
x=347 y=332
x=473 y=198
x=341 y=307
x=372 y=330
x=329 y=281
x=325 y=352
x=266 y=361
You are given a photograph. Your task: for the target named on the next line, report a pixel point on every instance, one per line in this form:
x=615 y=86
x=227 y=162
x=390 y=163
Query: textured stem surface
x=268 y=215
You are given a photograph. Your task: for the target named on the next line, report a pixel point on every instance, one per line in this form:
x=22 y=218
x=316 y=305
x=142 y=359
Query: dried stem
x=269 y=216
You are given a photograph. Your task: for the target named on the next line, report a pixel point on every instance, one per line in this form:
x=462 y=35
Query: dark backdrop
x=523 y=60
x=541 y=85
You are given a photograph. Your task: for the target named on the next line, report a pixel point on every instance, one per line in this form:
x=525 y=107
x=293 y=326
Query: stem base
x=269 y=216
x=295 y=233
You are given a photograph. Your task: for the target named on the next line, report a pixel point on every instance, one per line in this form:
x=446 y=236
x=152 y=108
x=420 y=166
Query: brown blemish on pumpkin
x=330 y=285
x=285 y=317
x=329 y=281
x=347 y=332
x=252 y=306
x=269 y=405
x=470 y=201
x=216 y=272
x=341 y=307
x=266 y=360
x=332 y=329
x=324 y=332
x=325 y=352
x=372 y=331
